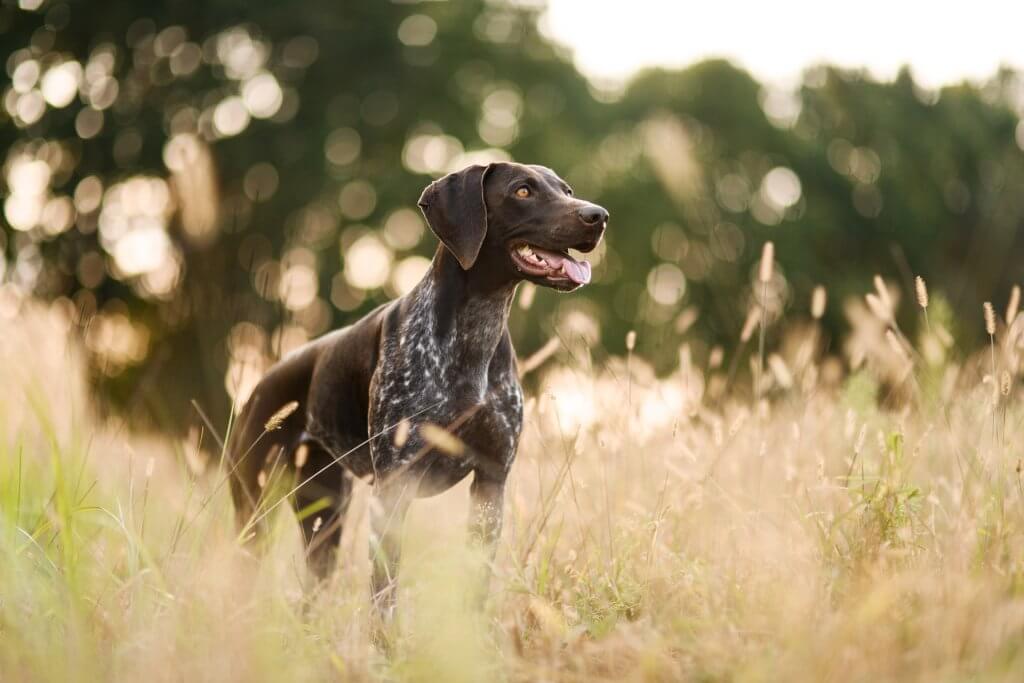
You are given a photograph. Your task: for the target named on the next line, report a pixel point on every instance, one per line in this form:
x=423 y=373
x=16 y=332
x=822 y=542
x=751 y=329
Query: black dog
x=440 y=354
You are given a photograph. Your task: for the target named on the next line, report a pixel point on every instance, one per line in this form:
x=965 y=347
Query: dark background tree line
x=283 y=141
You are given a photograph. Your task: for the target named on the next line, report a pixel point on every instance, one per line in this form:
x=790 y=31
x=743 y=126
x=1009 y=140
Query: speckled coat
x=445 y=358
x=440 y=355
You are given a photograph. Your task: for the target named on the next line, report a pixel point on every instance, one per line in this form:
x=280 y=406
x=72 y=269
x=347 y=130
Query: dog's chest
x=459 y=380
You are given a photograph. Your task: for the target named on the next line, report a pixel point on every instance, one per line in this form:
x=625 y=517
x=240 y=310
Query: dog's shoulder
x=353 y=347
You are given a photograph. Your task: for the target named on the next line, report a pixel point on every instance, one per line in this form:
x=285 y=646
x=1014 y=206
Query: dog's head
x=522 y=218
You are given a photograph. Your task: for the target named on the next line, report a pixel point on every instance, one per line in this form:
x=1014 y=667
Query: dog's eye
x=523 y=192
x=568 y=191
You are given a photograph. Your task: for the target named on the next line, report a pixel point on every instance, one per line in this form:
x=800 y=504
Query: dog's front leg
x=487 y=495
x=387 y=517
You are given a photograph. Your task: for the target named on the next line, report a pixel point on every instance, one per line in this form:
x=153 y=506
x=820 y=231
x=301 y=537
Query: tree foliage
x=203 y=185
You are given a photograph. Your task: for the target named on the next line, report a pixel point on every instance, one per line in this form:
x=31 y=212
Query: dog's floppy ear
x=455 y=210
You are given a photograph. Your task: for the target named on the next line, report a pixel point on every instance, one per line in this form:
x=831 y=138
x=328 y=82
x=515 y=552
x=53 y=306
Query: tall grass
x=860 y=527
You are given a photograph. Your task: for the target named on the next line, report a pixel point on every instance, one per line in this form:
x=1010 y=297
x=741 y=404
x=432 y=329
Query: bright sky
x=943 y=40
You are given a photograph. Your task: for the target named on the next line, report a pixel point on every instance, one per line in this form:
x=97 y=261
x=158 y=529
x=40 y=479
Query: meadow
x=855 y=513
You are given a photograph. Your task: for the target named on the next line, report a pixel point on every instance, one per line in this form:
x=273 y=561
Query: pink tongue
x=577 y=271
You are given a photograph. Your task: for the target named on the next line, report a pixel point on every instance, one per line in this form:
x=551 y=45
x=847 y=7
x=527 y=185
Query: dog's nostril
x=593 y=214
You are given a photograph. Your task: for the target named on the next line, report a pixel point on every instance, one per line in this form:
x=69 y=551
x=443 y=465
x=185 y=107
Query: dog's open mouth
x=556 y=266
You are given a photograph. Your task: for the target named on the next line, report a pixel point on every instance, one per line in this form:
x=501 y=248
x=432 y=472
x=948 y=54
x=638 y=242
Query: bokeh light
x=367 y=263
x=780 y=188
x=184 y=174
x=230 y=116
x=666 y=284
x=417 y=30
x=408 y=273
x=262 y=95
x=430 y=153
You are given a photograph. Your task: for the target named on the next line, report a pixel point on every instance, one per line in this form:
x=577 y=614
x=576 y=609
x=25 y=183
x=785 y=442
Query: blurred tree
x=202 y=186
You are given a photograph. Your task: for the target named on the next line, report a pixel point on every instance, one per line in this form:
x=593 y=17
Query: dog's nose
x=592 y=214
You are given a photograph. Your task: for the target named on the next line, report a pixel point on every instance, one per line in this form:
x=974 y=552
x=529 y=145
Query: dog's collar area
x=557 y=266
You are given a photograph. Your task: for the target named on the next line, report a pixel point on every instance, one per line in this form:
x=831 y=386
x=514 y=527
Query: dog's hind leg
x=323 y=493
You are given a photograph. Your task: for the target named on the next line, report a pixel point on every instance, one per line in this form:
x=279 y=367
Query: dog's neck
x=470 y=307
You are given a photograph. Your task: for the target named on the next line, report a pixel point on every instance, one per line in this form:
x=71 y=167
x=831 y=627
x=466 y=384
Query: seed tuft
x=277 y=419
x=990 y=318
x=883 y=293
x=750 y=324
x=1013 y=306
x=767 y=262
x=878 y=307
x=896 y=345
x=441 y=439
x=922 y=292
x=401 y=433
x=818 y=300
x=301 y=456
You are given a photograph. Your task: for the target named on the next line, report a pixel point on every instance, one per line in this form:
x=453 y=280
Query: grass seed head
x=896 y=345
x=750 y=324
x=539 y=357
x=401 y=433
x=1013 y=305
x=990 y=318
x=277 y=419
x=526 y=295
x=780 y=371
x=441 y=439
x=767 y=262
x=686 y=319
x=1005 y=383
x=818 y=300
x=883 y=292
x=301 y=456
x=922 y=292
x=878 y=307
x=631 y=340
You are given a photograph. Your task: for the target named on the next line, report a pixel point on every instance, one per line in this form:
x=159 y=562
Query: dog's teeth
x=525 y=250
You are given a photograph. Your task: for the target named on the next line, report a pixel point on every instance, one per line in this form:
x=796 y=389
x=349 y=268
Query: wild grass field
x=862 y=521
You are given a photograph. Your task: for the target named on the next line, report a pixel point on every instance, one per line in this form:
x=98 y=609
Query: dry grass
x=656 y=530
